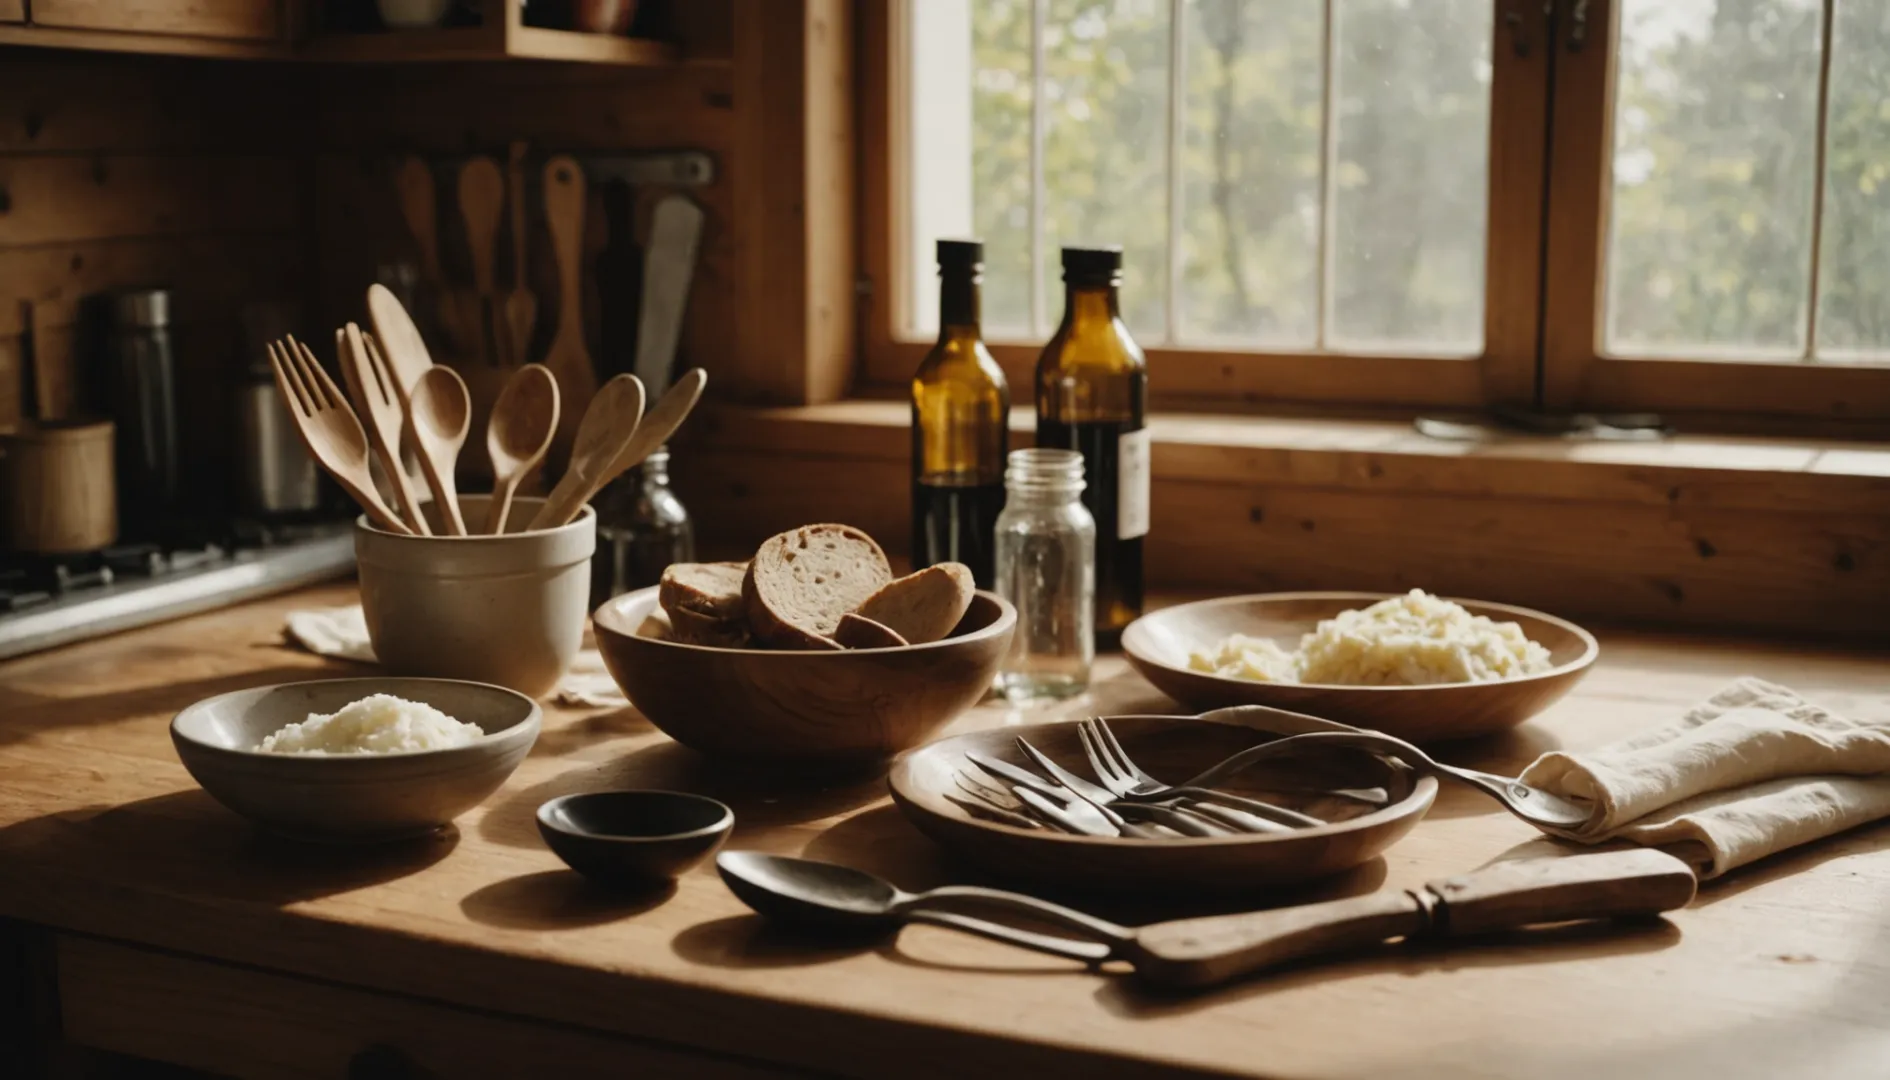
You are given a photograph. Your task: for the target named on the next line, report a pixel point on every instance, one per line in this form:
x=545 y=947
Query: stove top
x=49 y=600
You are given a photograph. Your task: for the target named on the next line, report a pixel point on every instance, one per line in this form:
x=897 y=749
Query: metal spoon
x=1531 y=804
x=524 y=419
x=439 y=413
x=841 y=898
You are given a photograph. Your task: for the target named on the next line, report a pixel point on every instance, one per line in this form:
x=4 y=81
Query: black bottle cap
x=1092 y=265
x=960 y=254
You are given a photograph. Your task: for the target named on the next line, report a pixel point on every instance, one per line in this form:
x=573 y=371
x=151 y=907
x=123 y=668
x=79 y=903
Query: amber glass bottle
x=1092 y=393
x=960 y=426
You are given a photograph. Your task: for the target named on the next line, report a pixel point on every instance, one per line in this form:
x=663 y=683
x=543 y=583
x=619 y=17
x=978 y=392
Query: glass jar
x=641 y=529
x=1046 y=567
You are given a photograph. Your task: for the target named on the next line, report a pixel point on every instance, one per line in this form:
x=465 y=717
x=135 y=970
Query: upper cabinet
x=342 y=30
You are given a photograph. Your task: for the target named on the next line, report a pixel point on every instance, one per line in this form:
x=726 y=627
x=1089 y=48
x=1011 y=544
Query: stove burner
x=136 y=560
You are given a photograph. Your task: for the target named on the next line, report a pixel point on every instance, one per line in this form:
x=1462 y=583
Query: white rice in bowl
x=1412 y=640
x=378 y=724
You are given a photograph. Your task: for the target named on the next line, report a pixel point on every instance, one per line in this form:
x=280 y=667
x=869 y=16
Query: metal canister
x=141 y=380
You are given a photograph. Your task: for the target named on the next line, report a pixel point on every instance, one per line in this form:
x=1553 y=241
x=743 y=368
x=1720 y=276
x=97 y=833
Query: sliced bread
x=859 y=632
x=692 y=628
x=711 y=589
x=802 y=581
x=923 y=606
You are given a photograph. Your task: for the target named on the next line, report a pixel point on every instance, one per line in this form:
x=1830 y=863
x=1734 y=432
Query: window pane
x=1105 y=146
x=1250 y=173
x=1715 y=151
x=1000 y=160
x=1409 y=175
x=1854 y=270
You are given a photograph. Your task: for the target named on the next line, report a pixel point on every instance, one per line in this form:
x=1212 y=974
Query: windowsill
x=1757 y=473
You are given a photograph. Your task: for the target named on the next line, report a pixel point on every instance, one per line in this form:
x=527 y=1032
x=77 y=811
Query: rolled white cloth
x=1751 y=771
x=342 y=633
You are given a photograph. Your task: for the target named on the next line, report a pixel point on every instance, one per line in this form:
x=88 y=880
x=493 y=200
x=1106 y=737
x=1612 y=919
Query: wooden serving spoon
x=567 y=357
x=414 y=181
x=521 y=304
x=482 y=204
x=608 y=426
x=523 y=421
x=399 y=338
x=439 y=413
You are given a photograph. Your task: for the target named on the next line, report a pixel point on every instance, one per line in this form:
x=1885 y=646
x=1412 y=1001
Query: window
x=1602 y=203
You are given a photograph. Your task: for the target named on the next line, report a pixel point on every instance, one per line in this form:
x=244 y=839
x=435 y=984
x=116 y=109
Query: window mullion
x=1323 y=261
x=1177 y=99
x=1818 y=181
x=1038 y=113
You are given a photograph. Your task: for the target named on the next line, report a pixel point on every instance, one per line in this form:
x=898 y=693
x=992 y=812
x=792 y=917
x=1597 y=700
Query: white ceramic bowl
x=497 y=609
x=352 y=798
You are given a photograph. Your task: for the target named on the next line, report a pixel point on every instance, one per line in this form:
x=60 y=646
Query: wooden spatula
x=568 y=358
x=521 y=304
x=414 y=182
x=482 y=204
x=608 y=426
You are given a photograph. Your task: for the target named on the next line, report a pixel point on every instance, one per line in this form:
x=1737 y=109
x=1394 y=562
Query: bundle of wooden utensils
x=409 y=401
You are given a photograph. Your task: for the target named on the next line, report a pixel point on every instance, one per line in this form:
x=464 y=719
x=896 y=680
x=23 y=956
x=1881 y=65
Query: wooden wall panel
x=71 y=101
x=1815 y=574
x=62 y=198
x=12 y=11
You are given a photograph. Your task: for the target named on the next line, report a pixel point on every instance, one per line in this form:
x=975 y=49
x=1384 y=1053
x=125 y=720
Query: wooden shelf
x=474 y=43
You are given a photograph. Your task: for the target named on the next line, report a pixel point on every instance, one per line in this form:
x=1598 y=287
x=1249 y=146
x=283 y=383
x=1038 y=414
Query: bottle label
x=1132 y=473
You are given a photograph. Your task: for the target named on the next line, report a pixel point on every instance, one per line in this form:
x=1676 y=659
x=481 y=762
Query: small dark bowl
x=634 y=839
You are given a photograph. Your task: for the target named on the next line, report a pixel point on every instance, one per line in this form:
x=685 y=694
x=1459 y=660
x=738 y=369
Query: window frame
x=1214 y=379
x=1577 y=375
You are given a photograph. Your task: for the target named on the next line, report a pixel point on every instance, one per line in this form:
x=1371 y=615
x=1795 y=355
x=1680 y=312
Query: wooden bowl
x=1158 y=644
x=1171 y=748
x=858 y=706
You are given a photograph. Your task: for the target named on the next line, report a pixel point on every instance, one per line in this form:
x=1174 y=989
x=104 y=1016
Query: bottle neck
x=1086 y=302
x=960 y=302
x=654 y=472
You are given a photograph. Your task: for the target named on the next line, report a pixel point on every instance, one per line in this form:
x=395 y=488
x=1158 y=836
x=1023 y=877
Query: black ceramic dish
x=634 y=839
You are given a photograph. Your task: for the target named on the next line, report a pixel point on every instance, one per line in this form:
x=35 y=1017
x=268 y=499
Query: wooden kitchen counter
x=175 y=931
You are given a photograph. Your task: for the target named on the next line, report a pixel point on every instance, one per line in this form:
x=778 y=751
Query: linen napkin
x=1751 y=771
x=342 y=633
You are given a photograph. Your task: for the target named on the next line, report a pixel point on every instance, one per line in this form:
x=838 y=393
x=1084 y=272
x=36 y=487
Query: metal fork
x=1070 y=808
x=329 y=428
x=1183 y=822
x=1126 y=780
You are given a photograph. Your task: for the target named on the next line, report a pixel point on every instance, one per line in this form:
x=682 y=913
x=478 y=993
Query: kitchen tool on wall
x=482 y=205
x=521 y=304
x=1194 y=953
x=523 y=421
x=371 y=385
x=438 y=416
x=414 y=182
x=609 y=424
x=617 y=271
x=141 y=398
x=278 y=476
x=568 y=358
x=668 y=267
x=329 y=428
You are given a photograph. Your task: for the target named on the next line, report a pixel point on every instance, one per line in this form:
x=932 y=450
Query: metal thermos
x=142 y=400
x=276 y=473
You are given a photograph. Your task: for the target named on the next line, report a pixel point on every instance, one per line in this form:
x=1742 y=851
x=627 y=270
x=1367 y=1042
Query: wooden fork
x=329 y=428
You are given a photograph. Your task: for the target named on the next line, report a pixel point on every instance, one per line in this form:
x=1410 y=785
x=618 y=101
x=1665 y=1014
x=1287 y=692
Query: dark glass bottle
x=961 y=409
x=1092 y=394
x=641 y=529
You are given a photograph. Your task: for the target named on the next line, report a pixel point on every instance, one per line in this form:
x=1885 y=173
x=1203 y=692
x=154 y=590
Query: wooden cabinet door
x=12 y=11
x=240 y=20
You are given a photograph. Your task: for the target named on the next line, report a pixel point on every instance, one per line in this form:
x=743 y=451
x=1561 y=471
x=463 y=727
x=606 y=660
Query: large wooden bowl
x=1158 y=645
x=857 y=706
x=1171 y=748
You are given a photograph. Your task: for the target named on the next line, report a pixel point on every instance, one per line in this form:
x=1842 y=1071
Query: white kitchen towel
x=1753 y=770
x=342 y=633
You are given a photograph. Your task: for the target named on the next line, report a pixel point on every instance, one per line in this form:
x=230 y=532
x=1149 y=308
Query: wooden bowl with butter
x=853 y=706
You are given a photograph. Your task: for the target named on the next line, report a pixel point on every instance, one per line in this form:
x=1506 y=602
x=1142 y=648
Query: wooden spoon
x=669 y=414
x=523 y=421
x=414 y=182
x=439 y=413
x=399 y=338
x=521 y=304
x=608 y=426
x=567 y=358
x=482 y=204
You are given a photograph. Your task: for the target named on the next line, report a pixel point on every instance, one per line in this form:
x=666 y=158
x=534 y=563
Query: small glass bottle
x=1092 y=393
x=641 y=529
x=1046 y=567
x=961 y=409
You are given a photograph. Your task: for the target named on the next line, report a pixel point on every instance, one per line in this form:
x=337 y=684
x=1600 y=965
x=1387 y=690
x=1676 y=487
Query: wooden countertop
x=1783 y=969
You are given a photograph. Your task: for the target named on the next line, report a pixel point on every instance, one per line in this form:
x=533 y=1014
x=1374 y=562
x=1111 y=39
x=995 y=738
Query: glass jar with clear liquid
x=1046 y=567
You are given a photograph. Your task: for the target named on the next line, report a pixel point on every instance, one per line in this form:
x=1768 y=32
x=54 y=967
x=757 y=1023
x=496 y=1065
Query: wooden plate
x=1158 y=645
x=1172 y=748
